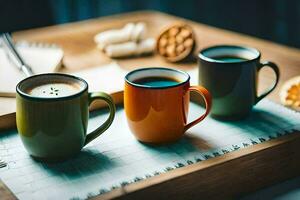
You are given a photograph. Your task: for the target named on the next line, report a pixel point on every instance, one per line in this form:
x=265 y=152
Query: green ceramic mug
x=52 y=115
x=230 y=73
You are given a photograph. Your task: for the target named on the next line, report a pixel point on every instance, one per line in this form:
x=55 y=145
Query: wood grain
x=231 y=175
x=224 y=177
x=76 y=39
x=5 y=193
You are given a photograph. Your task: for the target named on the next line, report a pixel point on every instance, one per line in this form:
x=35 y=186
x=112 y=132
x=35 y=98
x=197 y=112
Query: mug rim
x=156 y=87
x=211 y=60
x=30 y=97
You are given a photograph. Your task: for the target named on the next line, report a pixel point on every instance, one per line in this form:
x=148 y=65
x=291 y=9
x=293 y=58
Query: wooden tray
x=225 y=177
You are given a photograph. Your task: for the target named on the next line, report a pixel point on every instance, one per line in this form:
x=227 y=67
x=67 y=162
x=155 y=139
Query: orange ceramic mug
x=157 y=111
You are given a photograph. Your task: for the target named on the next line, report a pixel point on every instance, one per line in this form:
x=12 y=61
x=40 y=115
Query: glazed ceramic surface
x=55 y=128
x=233 y=84
x=159 y=114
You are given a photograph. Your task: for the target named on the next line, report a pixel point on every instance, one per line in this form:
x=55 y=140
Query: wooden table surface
x=76 y=39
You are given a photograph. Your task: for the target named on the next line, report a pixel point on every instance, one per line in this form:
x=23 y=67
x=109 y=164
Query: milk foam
x=54 y=90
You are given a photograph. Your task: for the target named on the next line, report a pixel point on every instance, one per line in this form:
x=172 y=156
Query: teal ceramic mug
x=230 y=73
x=52 y=115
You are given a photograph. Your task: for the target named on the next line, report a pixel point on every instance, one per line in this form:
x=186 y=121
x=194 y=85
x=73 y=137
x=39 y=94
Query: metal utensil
x=2 y=163
x=17 y=59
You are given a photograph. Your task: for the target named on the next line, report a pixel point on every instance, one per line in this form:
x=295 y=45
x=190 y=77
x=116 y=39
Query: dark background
x=276 y=20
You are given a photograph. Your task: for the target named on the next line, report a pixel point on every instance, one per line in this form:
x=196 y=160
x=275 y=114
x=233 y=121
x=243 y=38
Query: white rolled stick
x=130 y=32
x=139 y=32
x=146 y=46
x=121 y=50
x=114 y=36
x=130 y=48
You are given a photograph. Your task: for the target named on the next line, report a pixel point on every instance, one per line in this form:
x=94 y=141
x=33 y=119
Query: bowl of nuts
x=176 y=43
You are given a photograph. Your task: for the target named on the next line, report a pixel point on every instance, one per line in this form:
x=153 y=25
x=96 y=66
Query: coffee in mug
x=53 y=90
x=52 y=115
x=228 y=58
x=156 y=81
x=156 y=103
x=230 y=73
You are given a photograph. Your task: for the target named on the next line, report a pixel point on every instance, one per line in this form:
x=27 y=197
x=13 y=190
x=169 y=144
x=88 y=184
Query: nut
x=173 y=31
x=176 y=42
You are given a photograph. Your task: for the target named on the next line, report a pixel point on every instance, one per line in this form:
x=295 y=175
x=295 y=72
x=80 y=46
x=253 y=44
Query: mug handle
x=208 y=103
x=112 y=109
x=275 y=68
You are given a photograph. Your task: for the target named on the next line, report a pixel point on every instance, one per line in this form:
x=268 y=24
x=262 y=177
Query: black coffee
x=226 y=58
x=156 y=81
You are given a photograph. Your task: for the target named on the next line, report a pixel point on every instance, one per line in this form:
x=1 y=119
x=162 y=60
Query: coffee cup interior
x=167 y=73
x=52 y=85
x=246 y=53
